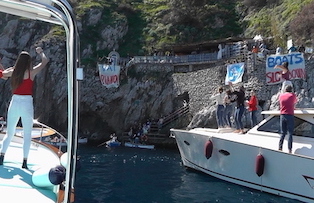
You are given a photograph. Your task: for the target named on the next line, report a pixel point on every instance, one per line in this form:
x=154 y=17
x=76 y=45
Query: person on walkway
x=285 y=75
x=301 y=49
x=228 y=109
x=252 y=107
x=219 y=97
x=287 y=102
x=279 y=50
x=160 y=123
x=21 y=105
x=254 y=50
x=240 y=99
x=292 y=49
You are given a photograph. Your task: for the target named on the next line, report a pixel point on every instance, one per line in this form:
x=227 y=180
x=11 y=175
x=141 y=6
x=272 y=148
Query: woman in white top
x=219 y=97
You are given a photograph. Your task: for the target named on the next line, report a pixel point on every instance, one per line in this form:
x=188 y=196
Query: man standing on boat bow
x=287 y=103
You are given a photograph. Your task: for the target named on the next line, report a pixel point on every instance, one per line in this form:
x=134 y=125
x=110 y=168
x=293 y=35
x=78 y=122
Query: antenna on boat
x=61 y=14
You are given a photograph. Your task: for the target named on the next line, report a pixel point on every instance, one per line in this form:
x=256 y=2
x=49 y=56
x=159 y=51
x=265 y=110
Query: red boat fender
x=208 y=149
x=259 y=165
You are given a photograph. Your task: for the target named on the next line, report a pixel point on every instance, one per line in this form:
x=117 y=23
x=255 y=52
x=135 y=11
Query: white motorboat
x=63 y=142
x=51 y=174
x=138 y=145
x=253 y=159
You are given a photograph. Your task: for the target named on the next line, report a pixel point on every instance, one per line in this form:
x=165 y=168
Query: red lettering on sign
x=297 y=73
x=273 y=77
x=107 y=80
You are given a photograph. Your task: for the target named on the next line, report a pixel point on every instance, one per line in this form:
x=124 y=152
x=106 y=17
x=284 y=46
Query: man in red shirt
x=287 y=103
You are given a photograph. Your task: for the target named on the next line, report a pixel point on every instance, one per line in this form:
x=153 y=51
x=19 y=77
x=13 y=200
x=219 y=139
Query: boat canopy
x=61 y=13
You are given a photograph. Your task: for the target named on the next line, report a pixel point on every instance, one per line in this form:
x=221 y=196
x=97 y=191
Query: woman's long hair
x=23 y=63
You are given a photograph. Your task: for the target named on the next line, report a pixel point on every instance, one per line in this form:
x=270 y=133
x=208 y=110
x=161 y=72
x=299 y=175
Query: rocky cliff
x=146 y=91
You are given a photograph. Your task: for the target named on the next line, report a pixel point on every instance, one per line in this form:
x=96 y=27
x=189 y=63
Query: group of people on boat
x=139 y=133
x=234 y=101
x=54 y=139
x=287 y=101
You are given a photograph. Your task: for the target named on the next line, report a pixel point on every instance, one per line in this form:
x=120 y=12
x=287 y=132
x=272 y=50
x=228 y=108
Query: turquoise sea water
x=129 y=175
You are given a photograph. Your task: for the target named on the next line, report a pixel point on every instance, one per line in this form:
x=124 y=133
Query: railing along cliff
x=170 y=118
x=229 y=50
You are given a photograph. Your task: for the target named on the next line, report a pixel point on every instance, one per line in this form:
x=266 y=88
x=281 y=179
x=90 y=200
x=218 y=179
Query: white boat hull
x=234 y=157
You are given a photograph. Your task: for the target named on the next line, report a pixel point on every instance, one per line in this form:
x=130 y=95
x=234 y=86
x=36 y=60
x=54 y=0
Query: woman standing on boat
x=252 y=107
x=21 y=105
x=285 y=75
x=220 y=109
x=240 y=98
x=228 y=109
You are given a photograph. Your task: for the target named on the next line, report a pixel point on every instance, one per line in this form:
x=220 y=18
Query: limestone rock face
x=146 y=91
x=117 y=109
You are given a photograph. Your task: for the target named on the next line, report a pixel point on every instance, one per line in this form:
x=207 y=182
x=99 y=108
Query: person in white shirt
x=219 y=97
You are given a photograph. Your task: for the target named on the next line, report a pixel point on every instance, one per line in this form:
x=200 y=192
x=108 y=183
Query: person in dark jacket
x=240 y=99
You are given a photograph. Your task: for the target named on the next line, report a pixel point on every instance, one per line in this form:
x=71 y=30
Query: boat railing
x=61 y=139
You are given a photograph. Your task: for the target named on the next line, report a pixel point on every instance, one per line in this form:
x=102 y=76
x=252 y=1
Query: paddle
x=102 y=144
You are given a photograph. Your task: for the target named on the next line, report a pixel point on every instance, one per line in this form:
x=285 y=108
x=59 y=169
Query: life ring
x=259 y=165
x=208 y=149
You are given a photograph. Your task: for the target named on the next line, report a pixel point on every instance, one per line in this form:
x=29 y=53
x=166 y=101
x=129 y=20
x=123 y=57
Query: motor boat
x=253 y=159
x=44 y=133
x=113 y=142
x=62 y=142
x=138 y=145
x=50 y=176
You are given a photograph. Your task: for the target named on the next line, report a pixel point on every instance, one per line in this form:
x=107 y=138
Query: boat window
x=272 y=125
x=301 y=127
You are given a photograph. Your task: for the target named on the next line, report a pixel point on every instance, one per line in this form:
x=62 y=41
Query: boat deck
x=301 y=146
x=16 y=183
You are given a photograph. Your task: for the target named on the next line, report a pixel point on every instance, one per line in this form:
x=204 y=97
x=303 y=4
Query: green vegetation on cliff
x=154 y=24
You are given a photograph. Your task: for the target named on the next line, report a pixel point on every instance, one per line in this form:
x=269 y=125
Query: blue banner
x=234 y=73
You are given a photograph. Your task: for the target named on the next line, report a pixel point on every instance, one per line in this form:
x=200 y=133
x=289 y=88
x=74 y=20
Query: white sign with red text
x=109 y=75
x=296 y=67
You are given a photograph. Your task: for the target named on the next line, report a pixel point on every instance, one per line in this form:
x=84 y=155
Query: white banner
x=109 y=75
x=296 y=67
x=234 y=73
